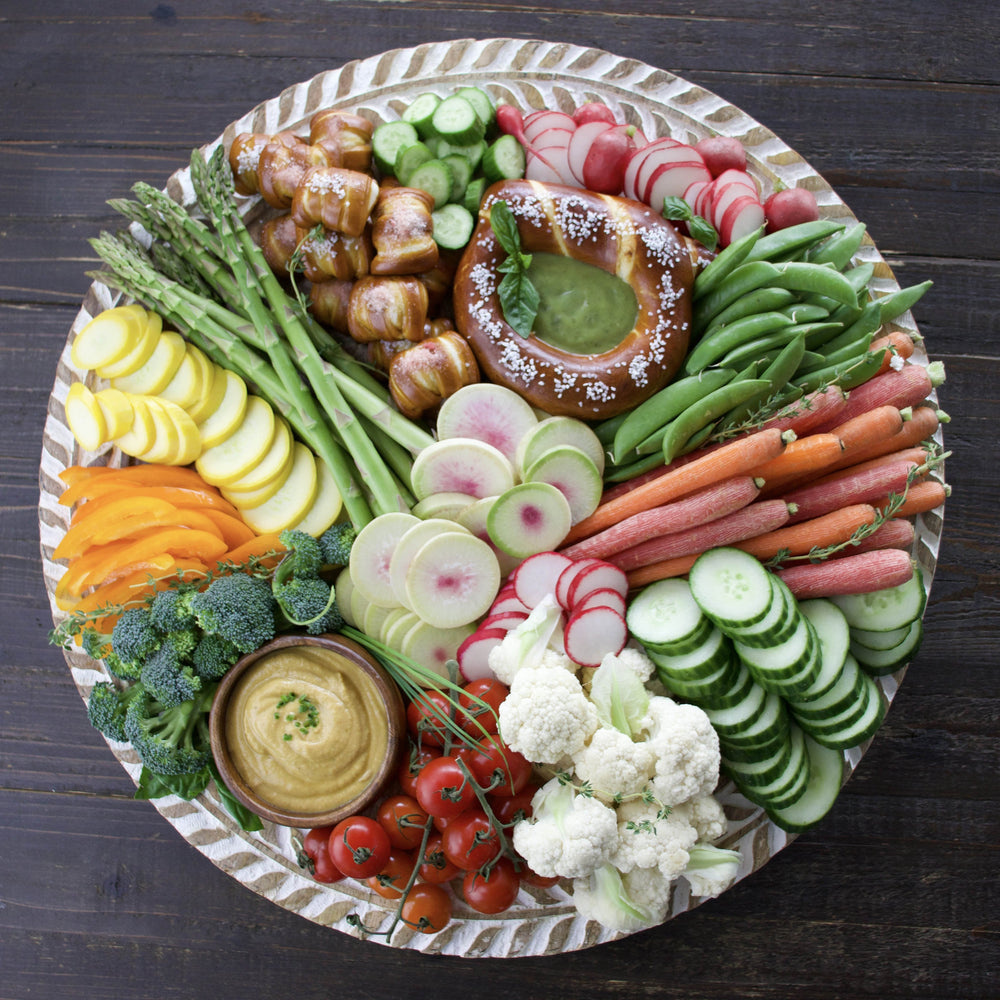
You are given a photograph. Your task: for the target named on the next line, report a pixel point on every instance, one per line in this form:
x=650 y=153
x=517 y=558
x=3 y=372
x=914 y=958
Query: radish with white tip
x=603 y=597
x=721 y=153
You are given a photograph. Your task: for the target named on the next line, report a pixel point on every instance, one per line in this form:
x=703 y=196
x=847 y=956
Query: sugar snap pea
x=839 y=248
x=723 y=264
x=711 y=348
x=806 y=312
x=844 y=352
x=817 y=278
x=779 y=338
x=788 y=243
x=663 y=406
x=707 y=410
x=607 y=428
x=776 y=374
x=758 y=301
x=868 y=322
x=745 y=278
x=847 y=375
x=622 y=473
x=896 y=303
x=820 y=333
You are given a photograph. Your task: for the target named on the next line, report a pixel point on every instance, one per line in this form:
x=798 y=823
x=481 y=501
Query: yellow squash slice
x=239 y=453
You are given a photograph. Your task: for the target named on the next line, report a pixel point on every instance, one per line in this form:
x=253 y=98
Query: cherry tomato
x=427 y=908
x=491 y=756
x=315 y=848
x=442 y=788
x=492 y=893
x=412 y=765
x=359 y=847
x=402 y=818
x=470 y=840
x=476 y=718
x=542 y=881
x=423 y=719
x=436 y=867
x=394 y=874
x=508 y=809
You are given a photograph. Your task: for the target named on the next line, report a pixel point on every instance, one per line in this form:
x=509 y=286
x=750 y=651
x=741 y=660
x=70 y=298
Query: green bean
x=724 y=339
x=896 y=303
x=777 y=375
x=758 y=301
x=847 y=376
x=845 y=352
x=743 y=279
x=708 y=409
x=816 y=278
x=657 y=411
x=794 y=240
x=838 y=249
x=724 y=263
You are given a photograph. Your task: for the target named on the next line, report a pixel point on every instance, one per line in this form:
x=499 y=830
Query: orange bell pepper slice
x=120 y=517
x=77 y=473
x=83 y=572
x=235 y=532
x=259 y=546
x=178 y=496
x=93 y=486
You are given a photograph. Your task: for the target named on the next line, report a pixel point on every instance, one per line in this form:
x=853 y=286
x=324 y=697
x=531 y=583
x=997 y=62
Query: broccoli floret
x=170 y=741
x=335 y=543
x=168 y=678
x=304 y=557
x=133 y=639
x=213 y=656
x=238 y=607
x=107 y=707
x=170 y=610
x=309 y=601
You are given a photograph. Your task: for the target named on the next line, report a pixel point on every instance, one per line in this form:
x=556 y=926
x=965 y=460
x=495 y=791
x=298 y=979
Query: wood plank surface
x=897 y=893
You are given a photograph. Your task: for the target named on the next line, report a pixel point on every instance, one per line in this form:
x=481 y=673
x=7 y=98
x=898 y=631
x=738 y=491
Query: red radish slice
x=702 y=204
x=474 y=653
x=636 y=161
x=579 y=146
x=539 y=121
x=592 y=634
x=537 y=576
x=724 y=194
x=744 y=216
x=550 y=167
x=605 y=597
x=593 y=111
x=693 y=192
x=508 y=604
x=603 y=576
x=550 y=138
x=737 y=177
x=566 y=579
x=666 y=156
x=673 y=181
x=505 y=620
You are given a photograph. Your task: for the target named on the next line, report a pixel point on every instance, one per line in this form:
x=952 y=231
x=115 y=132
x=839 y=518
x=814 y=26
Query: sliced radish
x=475 y=518
x=447 y=505
x=603 y=576
x=568 y=576
x=487 y=412
x=574 y=474
x=538 y=121
x=407 y=547
x=592 y=634
x=737 y=177
x=594 y=111
x=461 y=465
x=693 y=192
x=664 y=156
x=579 y=147
x=553 y=432
x=452 y=580
x=671 y=181
x=371 y=555
x=473 y=654
x=724 y=196
x=504 y=619
x=638 y=159
x=529 y=518
x=552 y=167
x=537 y=576
x=550 y=138
x=508 y=604
x=604 y=597
x=744 y=216
x=433 y=647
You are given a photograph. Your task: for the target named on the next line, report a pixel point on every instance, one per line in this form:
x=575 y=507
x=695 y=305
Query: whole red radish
x=510 y=121
x=721 y=153
x=594 y=111
x=790 y=207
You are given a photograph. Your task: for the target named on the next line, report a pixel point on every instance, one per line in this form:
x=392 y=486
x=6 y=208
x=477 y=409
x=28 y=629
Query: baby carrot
x=661 y=571
x=907 y=386
x=856 y=574
x=920 y=497
x=900 y=345
x=865 y=486
x=821 y=532
x=918 y=455
x=733 y=459
x=859 y=431
x=805 y=455
x=896 y=533
x=704 y=506
x=921 y=426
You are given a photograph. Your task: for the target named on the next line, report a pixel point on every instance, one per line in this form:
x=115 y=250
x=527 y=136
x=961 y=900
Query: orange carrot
x=750 y=522
x=920 y=497
x=899 y=345
x=834 y=528
x=736 y=458
x=805 y=455
x=918 y=455
x=921 y=426
x=661 y=571
x=855 y=574
x=706 y=505
x=859 y=431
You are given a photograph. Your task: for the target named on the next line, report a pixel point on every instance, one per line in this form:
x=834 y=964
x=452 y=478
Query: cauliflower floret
x=568 y=834
x=546 y=715
x=612 y=764
x=711 y=870
x=647 y=839
x=706 y=815
x=636 y=661
x=623 y=902
x=649 y=889
x=686 y=748
x=552 y=659
x=530 y=644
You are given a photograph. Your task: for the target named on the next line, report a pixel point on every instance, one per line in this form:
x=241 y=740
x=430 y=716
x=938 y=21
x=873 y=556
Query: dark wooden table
x=895 y=894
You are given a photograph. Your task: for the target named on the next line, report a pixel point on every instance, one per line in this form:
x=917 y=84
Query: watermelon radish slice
x=529 y=518
x=487 y=412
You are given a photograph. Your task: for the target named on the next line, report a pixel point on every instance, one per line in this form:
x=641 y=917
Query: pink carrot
x=702 y=507
x=749 y=522
x=816 y=410
x=865 y=486
x=855 y=574
x=895 y=534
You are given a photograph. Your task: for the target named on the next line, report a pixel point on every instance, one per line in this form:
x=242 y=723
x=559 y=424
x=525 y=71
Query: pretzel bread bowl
x=621 y=237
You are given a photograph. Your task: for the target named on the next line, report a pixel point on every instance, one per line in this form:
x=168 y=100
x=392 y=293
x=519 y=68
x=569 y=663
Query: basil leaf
x=676 y=209
x=505 y=226
x=519 y=302
x=247 y=819
x=701 y=230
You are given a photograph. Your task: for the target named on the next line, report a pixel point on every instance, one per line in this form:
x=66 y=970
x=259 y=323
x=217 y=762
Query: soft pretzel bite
x=621 y=237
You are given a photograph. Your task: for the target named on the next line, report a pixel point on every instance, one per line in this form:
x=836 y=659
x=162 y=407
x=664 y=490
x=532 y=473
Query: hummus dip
x=306 y=729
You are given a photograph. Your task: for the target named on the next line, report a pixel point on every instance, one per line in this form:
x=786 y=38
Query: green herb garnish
x=678 y=210
x=518 y=296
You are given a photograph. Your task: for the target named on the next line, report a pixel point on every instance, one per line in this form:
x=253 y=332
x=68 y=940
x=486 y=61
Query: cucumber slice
x=740 y=686
x=852 y=711
x=880 y=640
x=776 y=626
x=826 y=776
x=453 y=226
x=878 y=662
x=472 y=151
x=473 y=196
x=834 y=637
x=504 y=160
x=702 y=689
x=700 y=662
x=789 y=784
x=435 y=177
x=455 y=120
x=749 y=753
x=387 y=140
x=788 y=667
x=408 y=158
x=420 y=113
x=773 y=720
x=731 y=587
x=664 y=616
x=461 y=172
x=862 y=728
x=885 y=610
x=733 y=719
x=763 y=771
x=481 y=103
x=844 y=692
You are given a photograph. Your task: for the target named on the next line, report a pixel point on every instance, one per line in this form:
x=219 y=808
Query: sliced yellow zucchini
x=237 y=454
x=270 y=467
x=117 y=411
x=141 y=436
x=108 y=337
x=290 y=504
x=140 y=354
x=210 y=396
x=85 y=418
x=325 y=507
x=155 y=375
x=228 y=415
